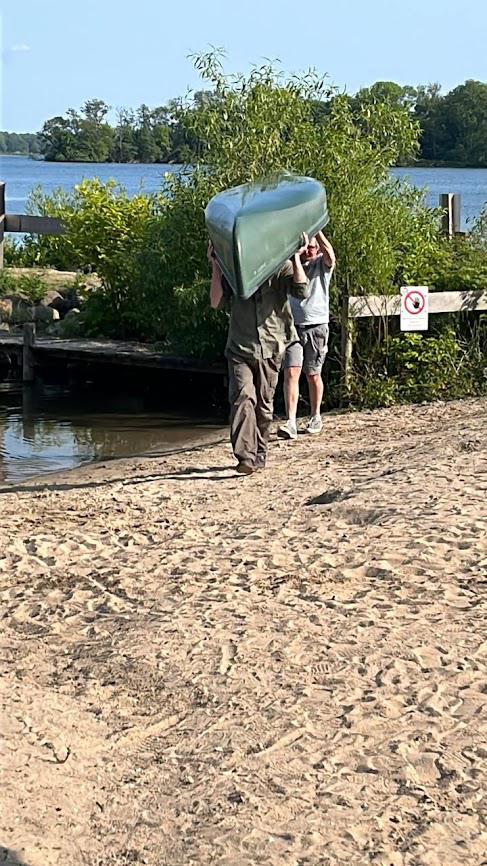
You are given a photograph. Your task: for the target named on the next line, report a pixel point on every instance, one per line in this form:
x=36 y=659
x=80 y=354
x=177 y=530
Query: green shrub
x=31 y=287
x=425 y=368
x=375 y=390
x=8 y=284
x=14 y=253
x=415 y=367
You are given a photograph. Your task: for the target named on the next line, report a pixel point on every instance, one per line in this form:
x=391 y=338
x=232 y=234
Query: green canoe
x=257 y=226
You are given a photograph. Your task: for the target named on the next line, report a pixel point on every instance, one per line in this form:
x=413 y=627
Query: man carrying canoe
x=260 y=329
x=311 y=317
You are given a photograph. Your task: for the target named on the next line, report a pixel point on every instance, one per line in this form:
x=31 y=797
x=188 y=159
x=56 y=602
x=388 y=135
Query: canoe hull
x=257 y=226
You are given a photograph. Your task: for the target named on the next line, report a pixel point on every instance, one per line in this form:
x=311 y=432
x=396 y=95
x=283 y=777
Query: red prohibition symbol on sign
x=416 y=301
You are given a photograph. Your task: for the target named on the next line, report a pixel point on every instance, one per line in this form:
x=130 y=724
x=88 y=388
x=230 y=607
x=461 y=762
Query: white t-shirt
x=315 y=309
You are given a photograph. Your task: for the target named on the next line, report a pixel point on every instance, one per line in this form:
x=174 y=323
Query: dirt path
x=285 y=669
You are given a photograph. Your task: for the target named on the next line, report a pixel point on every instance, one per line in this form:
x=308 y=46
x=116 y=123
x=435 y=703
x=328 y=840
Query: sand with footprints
x=288 y=669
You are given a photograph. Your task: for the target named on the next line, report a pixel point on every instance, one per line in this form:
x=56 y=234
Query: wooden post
x=456 y=212
x=447 y=216
x=346 y=351
x=27 y=355
x=451 y=205
x=2 y=221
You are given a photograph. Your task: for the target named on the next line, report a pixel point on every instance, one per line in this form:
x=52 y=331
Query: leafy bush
x=14 y=253
x=425 y=368
x=8 y=283
x=108 y=232
x=255 y=125
x=413 y=368
x=31 y=287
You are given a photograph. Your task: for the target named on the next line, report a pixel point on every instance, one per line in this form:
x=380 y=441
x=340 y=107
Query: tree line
x=143 y=135
x=453 y=127
x=25 y=143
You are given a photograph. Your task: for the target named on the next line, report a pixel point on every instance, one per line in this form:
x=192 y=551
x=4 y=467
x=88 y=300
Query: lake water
x=51 y=426
x=470 y=183
x=22 y=175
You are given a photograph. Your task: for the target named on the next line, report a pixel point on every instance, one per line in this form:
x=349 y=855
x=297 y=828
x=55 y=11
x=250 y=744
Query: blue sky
x=58 y=53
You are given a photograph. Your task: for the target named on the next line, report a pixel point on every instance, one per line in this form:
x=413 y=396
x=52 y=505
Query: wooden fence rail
x=24 y=223
x=382 y=306
x=439 y=302
x=36 y=225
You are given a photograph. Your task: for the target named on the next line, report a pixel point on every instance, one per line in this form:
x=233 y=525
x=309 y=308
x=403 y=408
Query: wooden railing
x=382 y=306
x=39 y=225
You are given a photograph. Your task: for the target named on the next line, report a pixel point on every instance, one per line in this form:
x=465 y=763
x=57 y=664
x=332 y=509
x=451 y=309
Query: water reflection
x=46 y=428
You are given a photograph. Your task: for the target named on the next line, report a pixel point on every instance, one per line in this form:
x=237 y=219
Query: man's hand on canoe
x=304 y=245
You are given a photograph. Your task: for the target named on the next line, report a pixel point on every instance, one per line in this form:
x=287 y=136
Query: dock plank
x=109 y=352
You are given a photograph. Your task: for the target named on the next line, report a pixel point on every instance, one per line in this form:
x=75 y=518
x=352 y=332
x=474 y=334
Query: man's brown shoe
x=245 y=468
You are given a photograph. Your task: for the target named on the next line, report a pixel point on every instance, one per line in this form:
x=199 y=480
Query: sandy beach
x=286 y=669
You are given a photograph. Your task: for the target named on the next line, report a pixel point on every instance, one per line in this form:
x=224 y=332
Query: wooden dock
x=29 y=351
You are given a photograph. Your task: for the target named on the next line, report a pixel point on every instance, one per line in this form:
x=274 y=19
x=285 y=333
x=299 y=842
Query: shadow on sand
x=10 y=858
x=189 y=473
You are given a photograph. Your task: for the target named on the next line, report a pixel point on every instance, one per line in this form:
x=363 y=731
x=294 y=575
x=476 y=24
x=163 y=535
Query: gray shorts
x=310 y=351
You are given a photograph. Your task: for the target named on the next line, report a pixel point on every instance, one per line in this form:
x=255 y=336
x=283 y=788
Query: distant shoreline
x=431 y=163
x=81 y=161
x=421 y=163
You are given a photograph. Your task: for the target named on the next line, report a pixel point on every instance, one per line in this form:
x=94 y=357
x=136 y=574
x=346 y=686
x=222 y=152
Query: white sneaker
x=314 y=425
x=288 y=430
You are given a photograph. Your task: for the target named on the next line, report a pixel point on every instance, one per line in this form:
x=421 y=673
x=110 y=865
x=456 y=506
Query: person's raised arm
x=216 y=287
x=327 y=250
x=299 y=287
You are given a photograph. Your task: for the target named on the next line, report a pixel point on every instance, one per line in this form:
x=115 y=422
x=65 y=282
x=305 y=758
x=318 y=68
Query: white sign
x=414 y=308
